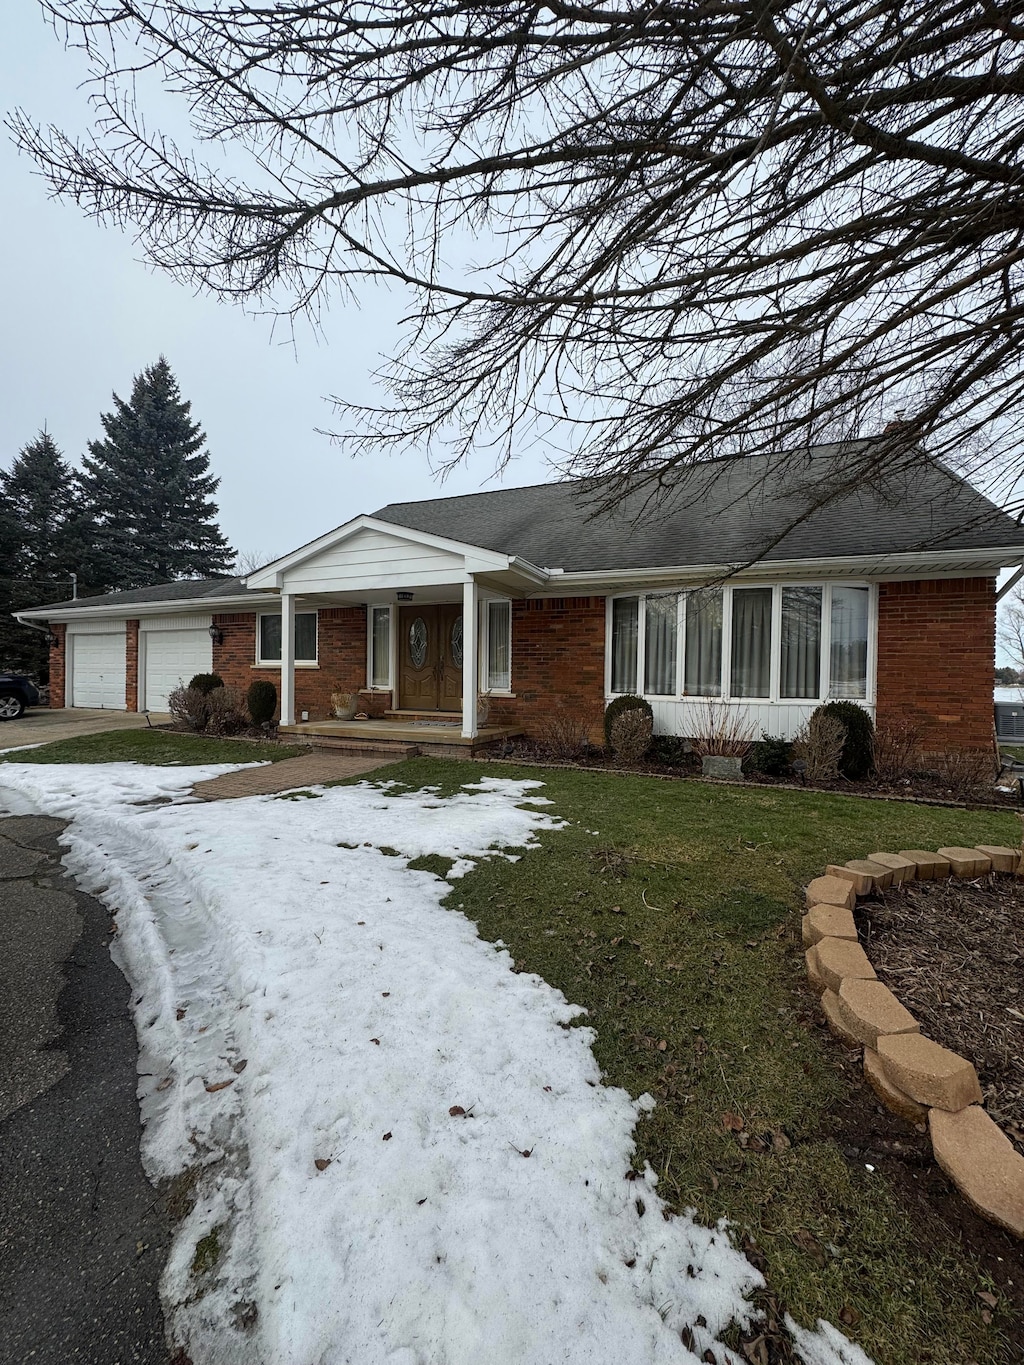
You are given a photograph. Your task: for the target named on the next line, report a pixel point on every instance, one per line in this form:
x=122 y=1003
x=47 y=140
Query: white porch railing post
x=287 y=658
x=470 y=663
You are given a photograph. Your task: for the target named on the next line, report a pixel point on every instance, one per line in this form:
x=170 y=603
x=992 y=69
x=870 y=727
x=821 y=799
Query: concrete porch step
x=437 y=717
x=392 y=748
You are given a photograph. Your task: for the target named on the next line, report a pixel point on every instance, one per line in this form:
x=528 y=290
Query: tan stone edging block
x=913 y=1076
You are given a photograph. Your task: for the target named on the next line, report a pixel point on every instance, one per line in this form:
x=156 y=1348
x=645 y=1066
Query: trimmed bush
x=858 y=746
x=672 y=750
x=206 y=683
x=819 y=746
x=618 y=707
x=771 y=755
x=190 y=708
x=631 y=733
x=227 y=712
x=261 y=699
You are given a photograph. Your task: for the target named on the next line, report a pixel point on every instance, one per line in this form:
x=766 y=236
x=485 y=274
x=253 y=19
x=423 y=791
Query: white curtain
x=751 y=642
x=380 y=673
x=849 y=652
x=702 y=668
x=660 y=644
x=801 y=643
x=499 y=632
x=625 y=620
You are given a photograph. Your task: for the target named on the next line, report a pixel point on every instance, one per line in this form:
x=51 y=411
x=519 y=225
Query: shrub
x=565 y=730
x=227 y=712
x=855 y=762
x=261 y=699
x=631 y=733
x=771 y=755
x=965 y=770
x=819 y=745
x=618 y=707
x=672 y=750
x=206 y=682
x=721 y=731
x=896 y=749
x=191 y=707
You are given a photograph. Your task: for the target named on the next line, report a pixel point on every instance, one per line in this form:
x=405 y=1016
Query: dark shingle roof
x=729 y=515
x=184 y=590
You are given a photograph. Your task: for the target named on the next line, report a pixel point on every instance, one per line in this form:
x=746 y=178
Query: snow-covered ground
x=401 y=1152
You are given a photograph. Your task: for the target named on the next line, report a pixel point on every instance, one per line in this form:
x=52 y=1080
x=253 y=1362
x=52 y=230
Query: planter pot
x=483 y=710
x=720 y=765
x=346 y=711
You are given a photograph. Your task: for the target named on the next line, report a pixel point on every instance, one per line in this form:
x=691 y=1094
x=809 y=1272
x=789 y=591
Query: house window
x=625 y=637
x=380 y=647
x=269 y=638
x=750 y=675
x=661 y=635
x=800 y=670
x=702 y=672
x=848 y=656
x=499 y=646
x=786 y=642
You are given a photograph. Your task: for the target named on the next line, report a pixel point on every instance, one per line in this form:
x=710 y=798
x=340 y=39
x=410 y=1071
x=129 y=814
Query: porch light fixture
x=216 y=635
x=405 y=596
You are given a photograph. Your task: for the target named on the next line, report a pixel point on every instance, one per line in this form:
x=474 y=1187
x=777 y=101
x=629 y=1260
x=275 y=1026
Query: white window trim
x=276 y=663
x=484 y=633
x=389 y=686
x=868 y=700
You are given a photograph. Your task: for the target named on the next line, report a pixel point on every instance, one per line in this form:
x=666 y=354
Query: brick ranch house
x=886 y=596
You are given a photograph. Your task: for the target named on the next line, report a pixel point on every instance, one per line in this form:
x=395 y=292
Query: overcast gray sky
x=83 y=315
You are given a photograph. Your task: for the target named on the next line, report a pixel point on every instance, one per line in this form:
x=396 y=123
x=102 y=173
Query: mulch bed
x=953 y=952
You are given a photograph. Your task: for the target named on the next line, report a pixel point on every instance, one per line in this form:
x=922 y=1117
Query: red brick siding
x=341 y=648
x=57 y=668
x=557 y=658
x=936 y=658
x=131 y=665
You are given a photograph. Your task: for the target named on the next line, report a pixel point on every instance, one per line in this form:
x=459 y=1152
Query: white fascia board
x=929 y=562
x=483 y=561
x=131 y=611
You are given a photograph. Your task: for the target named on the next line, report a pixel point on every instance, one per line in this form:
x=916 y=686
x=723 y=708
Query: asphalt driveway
x=83 y=1236
x=40 y=726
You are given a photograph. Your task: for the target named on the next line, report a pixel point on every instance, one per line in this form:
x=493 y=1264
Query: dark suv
x=16 y=692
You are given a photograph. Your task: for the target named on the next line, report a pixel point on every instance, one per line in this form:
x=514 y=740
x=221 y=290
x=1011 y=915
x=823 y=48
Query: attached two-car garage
x=171 y=649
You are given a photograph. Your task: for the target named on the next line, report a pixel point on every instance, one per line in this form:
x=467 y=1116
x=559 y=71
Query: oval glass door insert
x=457 y=642
x=418 y=642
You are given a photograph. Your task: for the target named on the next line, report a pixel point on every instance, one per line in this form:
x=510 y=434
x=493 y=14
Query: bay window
x=268 y=638
x=773 y=643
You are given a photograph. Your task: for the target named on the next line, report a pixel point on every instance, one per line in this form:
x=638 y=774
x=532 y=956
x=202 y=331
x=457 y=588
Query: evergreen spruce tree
x=41 y=544
x=147 y=488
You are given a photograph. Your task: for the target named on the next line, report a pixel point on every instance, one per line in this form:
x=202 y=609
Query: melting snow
x=402 y=1152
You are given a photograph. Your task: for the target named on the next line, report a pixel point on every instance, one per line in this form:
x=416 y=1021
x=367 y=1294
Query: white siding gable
x=371 y=559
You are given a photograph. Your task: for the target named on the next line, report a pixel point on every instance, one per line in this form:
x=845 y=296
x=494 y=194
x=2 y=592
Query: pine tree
x=41 y=540
x=147 y=488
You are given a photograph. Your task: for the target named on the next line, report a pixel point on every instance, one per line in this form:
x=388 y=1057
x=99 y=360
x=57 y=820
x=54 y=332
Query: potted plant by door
x=483 y=709
x=344 y=705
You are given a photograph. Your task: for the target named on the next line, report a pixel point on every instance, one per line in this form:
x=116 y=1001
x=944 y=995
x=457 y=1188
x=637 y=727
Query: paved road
x=83 y=1236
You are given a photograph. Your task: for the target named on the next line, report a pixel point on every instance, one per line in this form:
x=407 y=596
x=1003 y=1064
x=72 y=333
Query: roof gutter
x=66 y=611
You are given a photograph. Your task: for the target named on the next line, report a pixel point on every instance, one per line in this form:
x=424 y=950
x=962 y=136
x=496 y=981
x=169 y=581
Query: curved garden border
x=916 y=1078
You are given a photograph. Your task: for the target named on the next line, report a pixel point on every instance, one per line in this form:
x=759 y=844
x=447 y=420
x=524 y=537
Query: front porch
x=439 y=738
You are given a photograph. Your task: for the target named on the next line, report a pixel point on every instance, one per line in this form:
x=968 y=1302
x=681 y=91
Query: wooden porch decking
x=441 y=738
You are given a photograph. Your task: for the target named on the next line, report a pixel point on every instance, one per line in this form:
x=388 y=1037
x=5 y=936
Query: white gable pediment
x=370 y=559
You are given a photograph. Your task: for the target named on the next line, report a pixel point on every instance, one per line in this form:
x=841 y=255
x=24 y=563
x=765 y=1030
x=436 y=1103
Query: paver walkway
x=304 y=771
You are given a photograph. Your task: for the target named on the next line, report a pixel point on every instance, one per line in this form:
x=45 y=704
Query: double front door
x=430 y=658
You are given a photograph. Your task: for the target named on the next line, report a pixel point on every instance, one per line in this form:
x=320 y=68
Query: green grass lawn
x=676 y=924
x=152 y=746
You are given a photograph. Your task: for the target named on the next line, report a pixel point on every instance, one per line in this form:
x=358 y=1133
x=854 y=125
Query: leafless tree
x=248 y=561
x=704 y=227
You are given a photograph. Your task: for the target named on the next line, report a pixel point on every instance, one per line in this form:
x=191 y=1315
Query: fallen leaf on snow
x=221 y=1085
x=321 y=1162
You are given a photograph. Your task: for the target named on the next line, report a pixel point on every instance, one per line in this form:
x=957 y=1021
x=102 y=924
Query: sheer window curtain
x=702 y=669
x=625 y=630
x=660 y=645
x=848 y=664
x=800 y=674
x=751 y=642
x=499 y=632
x=381 y=673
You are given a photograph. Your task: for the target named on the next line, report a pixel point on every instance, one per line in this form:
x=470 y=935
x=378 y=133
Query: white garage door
x=172 y=657
x=97 y=671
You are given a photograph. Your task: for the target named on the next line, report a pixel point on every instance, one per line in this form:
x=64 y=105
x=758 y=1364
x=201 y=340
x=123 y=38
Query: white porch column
x=287 y=658
x=470 y=663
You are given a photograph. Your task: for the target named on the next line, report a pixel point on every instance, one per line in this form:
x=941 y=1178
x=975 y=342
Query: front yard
x=670 y=911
